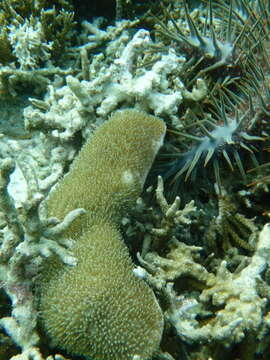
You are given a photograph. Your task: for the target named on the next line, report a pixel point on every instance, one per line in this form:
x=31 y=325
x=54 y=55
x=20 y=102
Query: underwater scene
x=135 y=180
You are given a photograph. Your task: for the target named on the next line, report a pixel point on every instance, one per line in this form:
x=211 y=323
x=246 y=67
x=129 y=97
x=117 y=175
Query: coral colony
x=102 y=284
x=134 y=178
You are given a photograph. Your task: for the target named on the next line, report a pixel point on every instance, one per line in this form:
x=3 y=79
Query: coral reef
x=225 y=305
x=32 y=33
x=107 y=84
x=26 y=237
x=199 y=237
x=35 y=39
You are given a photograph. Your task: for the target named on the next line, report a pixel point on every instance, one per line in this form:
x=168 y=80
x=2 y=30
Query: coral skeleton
x=29 y=44
x=27 y=236
x=239 y=307
x=109 y=86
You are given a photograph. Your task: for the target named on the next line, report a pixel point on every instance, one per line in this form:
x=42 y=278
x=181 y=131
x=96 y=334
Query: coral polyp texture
x=99 y=308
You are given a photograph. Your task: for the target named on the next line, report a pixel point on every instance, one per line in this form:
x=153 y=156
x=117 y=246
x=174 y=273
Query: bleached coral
x=26 y=236
x=239 y=306
x=94 y=36
x=29 y=43
x=172 y=215
x=110 y=82
x=30 y=166
x=148 y=87
x=238 y=292
x=39 y=163
x=65 y=110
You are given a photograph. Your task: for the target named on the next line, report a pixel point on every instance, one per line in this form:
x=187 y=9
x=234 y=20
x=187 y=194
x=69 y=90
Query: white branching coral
x=238 y=294
x=151 y=86
x=26 y=237
x=29 y=44
x=108 y=83
x=65 y=109
x=172 y=215
x=94 y=36
x=239 y=307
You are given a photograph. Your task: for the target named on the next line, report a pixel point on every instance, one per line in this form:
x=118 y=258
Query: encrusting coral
x=100 y=308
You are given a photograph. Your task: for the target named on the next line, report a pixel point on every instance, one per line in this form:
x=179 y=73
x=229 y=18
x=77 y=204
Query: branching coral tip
x=99 y=308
